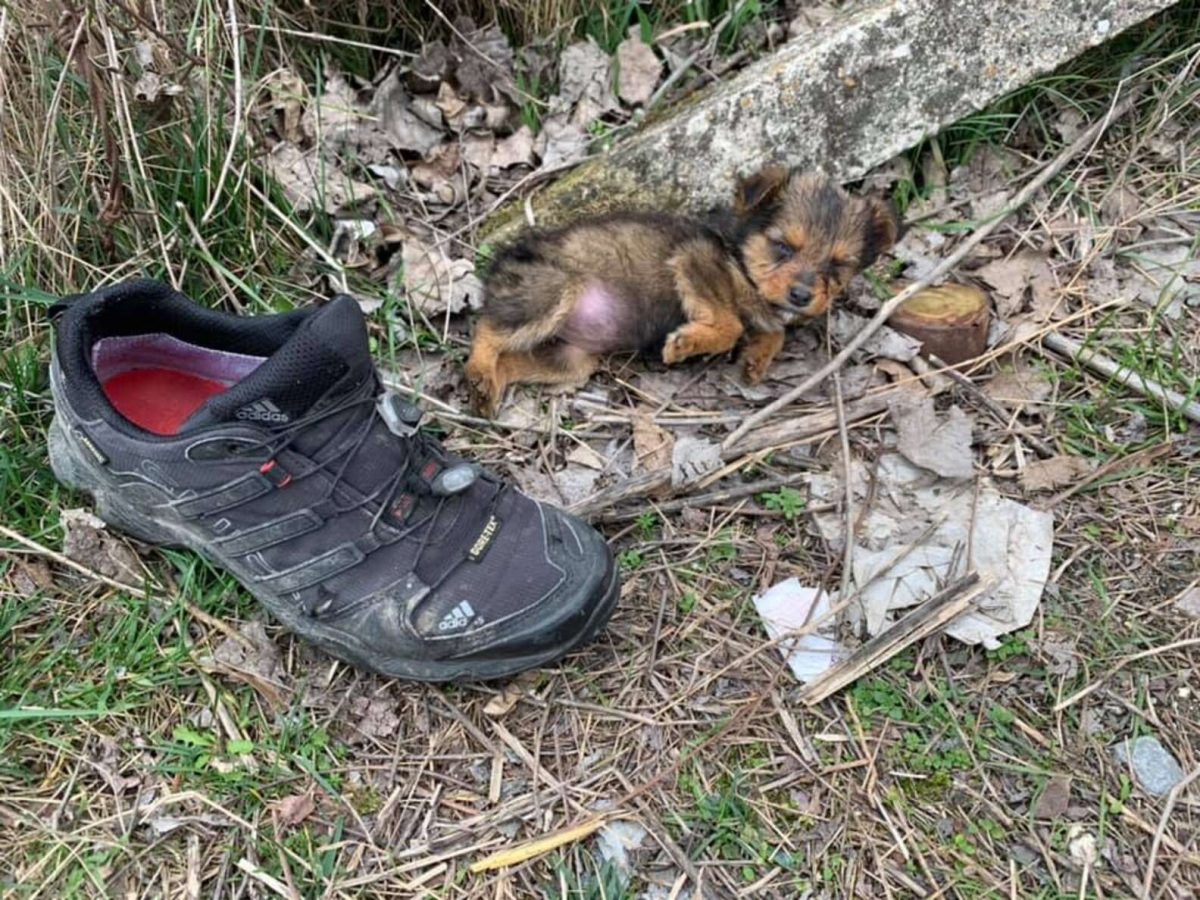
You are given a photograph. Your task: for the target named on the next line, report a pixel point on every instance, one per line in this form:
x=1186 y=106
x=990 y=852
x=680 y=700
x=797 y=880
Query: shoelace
x=418 y=447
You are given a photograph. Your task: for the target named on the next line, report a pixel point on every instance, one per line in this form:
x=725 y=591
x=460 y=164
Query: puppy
x=558 y=301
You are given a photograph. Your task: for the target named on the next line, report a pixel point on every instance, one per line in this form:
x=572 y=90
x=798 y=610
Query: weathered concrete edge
x=843 y=100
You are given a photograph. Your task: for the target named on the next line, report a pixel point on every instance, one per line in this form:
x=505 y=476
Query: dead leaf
x=87 y=540
x=1120 y=206
x=442 y=176
x=1055 y=472
x=1167 y=278
x=152 y=87
x=583 y=455
x=692 y=458
x=293 y=809
x=1061 y=654
x=375 y=716
x=585 y=79
x=484 y=62
x=431 y=68
x=425 y=108
x=1011 y=276
x=514 y=150
x=1018 y=388
x=308 y=181
x=452 y=106
x=478 y=149
x=886 y=342
x=502 y=703
x=31 y=576
x=434 y=283
x=638 y=70
x=288 y=95
x=1189 y=601
x=1054 y=800
x=560 y=142
x=1082 y=847
x=405 y=130
x=253 y=659
x=653 y=447
x=941 y=446
x=576 y=483
x=336 y=112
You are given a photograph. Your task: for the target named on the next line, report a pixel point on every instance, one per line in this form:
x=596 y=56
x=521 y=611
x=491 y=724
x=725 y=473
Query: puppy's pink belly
x=599 y=322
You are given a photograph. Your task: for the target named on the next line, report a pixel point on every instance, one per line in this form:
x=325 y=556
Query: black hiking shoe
x=268 y=445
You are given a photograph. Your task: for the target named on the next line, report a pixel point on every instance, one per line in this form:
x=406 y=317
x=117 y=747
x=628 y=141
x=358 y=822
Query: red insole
x=159 y=400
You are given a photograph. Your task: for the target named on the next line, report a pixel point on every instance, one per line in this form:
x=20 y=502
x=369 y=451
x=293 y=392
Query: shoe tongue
x=326 y=356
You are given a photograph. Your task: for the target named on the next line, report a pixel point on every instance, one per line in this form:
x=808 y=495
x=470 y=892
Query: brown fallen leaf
x=403 y=128
x=653 y=446
x=584 y=455
x=940 y=444
x=1055 y=472
x=638 y=70
x=514 y=150
x=293 y=809
x=87 y=540
x=31 y=576
x=503 y=702
x=1011 y=276
x=441 y=175
x=1054 y=800
x=1018 y=388
x=288 y=96
x=435 y=284
x=560 y=142
x=1189 y=601
x=309 y=182
x=431 y=68
x=374 y=716
x=585 y=84
x=478 y=149
x=335 y=112
x=483 y=62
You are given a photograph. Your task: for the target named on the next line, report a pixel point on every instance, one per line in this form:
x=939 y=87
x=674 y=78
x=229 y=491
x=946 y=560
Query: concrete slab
x=844 y=99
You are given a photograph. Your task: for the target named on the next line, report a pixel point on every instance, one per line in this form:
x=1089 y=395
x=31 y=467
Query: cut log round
x=951 y=322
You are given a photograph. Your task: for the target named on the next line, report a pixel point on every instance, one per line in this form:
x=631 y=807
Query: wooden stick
x=1111 y=369
x=767 y=438
x=964 y=249
x=920 y=623
x=712 y=498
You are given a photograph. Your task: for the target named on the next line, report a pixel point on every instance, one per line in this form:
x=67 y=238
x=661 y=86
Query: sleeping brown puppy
x=557 y=301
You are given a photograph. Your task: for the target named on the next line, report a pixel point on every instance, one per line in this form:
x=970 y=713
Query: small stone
x=1155 y=769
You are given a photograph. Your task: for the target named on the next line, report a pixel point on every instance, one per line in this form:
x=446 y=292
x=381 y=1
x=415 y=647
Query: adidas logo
x=457 y=618
x=262 y=411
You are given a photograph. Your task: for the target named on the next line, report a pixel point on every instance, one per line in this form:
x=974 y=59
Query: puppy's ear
x=759 y=189
x=881 y=228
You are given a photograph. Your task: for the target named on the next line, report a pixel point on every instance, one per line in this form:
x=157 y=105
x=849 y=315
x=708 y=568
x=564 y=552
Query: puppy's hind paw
x=677 y=348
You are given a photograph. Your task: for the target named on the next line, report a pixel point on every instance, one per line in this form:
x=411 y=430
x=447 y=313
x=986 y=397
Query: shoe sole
x=76 y=470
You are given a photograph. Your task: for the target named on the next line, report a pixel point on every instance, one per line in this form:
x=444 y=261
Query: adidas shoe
x=267 y=444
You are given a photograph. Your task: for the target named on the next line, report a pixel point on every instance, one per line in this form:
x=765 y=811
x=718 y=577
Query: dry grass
x=156 y=745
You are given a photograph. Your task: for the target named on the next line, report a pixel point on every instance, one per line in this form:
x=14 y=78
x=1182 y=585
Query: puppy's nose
x=799 y=294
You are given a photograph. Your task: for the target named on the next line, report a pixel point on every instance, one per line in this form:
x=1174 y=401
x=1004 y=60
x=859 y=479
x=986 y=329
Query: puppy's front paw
x=483 y=395
x=760 y=351
x=754 y=368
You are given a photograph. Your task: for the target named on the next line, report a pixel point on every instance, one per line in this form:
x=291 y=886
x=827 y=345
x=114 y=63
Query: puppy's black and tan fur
x=558 y=301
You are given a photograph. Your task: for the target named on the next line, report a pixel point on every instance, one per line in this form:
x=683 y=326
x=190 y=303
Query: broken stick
x=1023 y=196
x=923 y=621
x=1117 y=372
